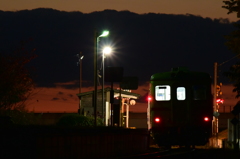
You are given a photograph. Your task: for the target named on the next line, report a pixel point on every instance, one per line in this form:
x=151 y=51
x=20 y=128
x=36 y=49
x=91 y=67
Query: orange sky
x=59 y=99
x=204 y=8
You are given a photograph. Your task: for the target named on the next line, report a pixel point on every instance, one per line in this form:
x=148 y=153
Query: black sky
x=143 y=44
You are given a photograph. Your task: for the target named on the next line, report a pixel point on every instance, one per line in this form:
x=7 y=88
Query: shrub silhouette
x=78 y=120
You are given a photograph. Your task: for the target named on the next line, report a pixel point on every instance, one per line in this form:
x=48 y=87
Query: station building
x=107 y=109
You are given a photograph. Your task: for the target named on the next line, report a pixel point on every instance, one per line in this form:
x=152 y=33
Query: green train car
x=180 y=108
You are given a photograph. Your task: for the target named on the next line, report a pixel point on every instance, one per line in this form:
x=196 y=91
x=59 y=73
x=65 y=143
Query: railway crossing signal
x=219 y=101
x=218 y=89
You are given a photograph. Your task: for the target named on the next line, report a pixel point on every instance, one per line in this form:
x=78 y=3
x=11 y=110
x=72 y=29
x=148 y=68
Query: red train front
x=180 y=108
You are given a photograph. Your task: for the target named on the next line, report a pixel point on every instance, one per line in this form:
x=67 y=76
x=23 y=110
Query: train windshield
x=181 y=93
x=162 y=93
x=199 y=92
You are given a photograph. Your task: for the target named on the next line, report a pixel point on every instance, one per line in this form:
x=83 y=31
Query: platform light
x=106 y=50
x=96 y=41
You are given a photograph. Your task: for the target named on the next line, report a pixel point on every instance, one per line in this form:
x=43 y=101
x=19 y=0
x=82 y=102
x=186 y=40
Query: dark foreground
x=186 y=154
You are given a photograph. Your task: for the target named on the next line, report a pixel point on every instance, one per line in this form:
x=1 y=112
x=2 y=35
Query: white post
x=107 y=111
x=148 y=116
x=127 y=115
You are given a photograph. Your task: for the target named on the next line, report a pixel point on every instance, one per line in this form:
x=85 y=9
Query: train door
x=201 y=100
x=159 y=107
x=180 y=103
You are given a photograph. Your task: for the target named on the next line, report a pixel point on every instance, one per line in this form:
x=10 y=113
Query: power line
x=228 y=60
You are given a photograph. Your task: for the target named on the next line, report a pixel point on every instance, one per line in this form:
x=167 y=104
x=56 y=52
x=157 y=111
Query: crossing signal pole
x=217 y=100
x=215 y=105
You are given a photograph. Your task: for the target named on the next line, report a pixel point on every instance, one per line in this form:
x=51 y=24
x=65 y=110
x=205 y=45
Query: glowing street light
x=106 y=51
x=96 y=40
x=104 y=34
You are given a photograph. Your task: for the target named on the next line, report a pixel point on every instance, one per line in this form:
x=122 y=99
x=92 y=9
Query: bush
x=17 y=117
x=78 y=120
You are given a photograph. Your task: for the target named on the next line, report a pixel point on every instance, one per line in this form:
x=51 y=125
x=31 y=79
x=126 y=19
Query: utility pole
x=95 y=77
x=215 y=94
x=80 y=56
x=80 y=72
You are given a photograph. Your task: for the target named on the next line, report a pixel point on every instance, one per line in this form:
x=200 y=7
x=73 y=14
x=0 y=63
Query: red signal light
x=206 y=119
x=219 y=101
x=157 y=120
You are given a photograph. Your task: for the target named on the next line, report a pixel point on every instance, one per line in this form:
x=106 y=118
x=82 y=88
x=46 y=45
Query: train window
x=162 y=93
x=199 y=92
x=181 y=93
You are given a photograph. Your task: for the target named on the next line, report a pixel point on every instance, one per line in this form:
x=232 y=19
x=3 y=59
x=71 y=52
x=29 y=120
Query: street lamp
x=104 y=33
x=106 y=51
x=96 y=40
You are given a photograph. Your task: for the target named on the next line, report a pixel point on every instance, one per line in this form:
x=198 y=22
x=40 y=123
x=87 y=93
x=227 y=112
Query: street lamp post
x=96 y=40
x=106 y=50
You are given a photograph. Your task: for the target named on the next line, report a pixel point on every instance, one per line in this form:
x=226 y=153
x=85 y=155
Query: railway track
x=177 y=153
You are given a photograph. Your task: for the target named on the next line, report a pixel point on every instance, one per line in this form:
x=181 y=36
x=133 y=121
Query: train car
x=180 y=108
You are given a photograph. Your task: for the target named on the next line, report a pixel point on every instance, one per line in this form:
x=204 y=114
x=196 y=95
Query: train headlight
x=157 y=120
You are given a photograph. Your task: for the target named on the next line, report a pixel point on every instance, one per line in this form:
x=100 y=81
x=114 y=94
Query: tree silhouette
x=232 y=6
x=233 y=41
x=15 y=80
x=234 y=75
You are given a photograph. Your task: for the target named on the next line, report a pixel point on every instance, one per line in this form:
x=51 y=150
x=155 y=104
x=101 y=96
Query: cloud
x=68 y=85
x=60 y=93
x=64 y=99
x=55 y=98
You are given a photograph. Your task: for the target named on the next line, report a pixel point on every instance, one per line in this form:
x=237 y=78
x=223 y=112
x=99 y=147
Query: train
x=180 y=108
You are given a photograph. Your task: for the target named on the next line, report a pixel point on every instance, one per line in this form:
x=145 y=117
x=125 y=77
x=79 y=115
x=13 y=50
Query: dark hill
x=143 y=43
